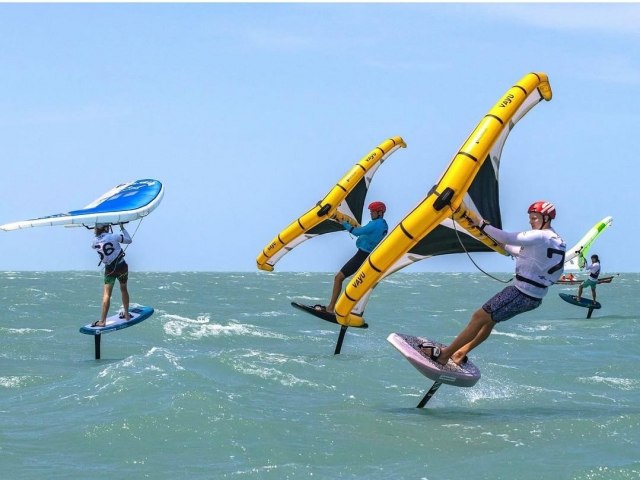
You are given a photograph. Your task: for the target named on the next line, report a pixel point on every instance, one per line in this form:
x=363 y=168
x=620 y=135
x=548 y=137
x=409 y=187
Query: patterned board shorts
x=508 y=303
x=120 y=272
x=589 y=283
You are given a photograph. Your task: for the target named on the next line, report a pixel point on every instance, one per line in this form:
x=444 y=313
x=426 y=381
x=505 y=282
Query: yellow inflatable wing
x=441 y=223
x=344 y=202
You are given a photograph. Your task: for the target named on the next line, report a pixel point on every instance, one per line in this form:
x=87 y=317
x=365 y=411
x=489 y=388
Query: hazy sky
x=249 y=114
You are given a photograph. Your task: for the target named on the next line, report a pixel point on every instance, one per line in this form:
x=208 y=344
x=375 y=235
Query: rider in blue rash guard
x=369 y=236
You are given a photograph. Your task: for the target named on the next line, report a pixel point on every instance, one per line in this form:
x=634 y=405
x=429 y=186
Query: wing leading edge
x=576 y=255
x=123 y=203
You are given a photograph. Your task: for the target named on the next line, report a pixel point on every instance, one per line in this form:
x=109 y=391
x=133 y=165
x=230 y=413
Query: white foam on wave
x=607 y=473
x=305 y=297
x=621 y=383
x=471 y=434
x=248 y=367
x=491 y=390
x=202 y=327
x=171 y=286
x=25 y=331
x=40 y=294
x=536 y=328
x=199 y=319
x=171 y=357
x=544 y=390
x=118 y=377
x=13 y=381
x=520 y=337
x=277 y=358
x=258 y=471
x=133 y=365
x=264 y=314
x=505 y=437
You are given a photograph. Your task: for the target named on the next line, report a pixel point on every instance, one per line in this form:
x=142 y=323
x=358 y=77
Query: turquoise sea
x=227 y=381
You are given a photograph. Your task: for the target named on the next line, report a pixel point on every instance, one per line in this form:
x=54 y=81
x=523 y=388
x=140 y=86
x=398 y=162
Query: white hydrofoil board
x=114 y=322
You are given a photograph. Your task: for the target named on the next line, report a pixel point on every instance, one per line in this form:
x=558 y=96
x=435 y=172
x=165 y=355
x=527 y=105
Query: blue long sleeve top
x=369 y=235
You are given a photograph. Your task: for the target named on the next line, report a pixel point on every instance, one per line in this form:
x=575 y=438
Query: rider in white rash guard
x=539 y=256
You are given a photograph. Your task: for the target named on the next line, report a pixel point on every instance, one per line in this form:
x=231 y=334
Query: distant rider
x=107 y=245
x=539 y=256
x=592 y=281
x=369 y=236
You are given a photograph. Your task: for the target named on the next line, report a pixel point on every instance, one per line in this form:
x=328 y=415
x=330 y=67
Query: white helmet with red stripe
x=543 y=208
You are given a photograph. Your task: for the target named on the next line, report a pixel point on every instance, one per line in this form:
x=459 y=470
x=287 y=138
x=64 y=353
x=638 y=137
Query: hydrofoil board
x=465 y=375
x=583 y=302
x=320 y=312
x=114 y=322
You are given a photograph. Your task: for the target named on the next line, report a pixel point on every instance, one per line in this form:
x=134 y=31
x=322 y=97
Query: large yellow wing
x=447 y=203
x=344 y=202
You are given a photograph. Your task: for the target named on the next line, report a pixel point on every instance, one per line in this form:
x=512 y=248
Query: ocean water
x=227 y=381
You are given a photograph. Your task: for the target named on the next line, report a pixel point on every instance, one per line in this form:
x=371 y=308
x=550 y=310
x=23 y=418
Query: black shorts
x=353 y=265
x=119 y=271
